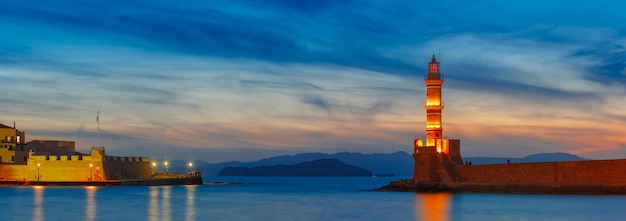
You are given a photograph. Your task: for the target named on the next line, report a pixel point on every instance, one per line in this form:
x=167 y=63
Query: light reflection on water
x=91 y=203
x=191 y=199
x=160 y=208
x=432 y=206
x=153 y=209
x=166 y=214
x=38 y=201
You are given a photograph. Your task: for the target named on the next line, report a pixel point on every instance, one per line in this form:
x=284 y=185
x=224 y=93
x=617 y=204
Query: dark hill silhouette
x=322 y=167
x=399 y=163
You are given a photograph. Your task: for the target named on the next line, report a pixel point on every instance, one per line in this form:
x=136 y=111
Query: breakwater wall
x=571 y=172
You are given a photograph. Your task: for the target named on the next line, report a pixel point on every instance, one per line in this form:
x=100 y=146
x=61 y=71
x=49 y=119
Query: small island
x=322 y=167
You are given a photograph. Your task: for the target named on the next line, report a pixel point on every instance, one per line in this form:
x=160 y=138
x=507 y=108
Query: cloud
x=328 y=75
x=316 y=101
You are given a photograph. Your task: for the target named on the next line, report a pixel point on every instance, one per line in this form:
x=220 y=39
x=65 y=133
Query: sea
x=293 y=198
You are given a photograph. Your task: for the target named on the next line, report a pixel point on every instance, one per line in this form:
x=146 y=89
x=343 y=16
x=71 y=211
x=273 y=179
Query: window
x=12 y=158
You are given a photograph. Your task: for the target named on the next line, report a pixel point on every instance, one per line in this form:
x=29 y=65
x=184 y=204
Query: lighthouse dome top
x=433 y=60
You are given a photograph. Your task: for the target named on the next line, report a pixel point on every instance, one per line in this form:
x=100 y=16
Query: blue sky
x=242 y=80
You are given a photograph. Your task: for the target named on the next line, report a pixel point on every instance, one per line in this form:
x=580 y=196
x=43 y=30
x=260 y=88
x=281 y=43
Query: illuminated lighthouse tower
x=431 y=157
x=433 y=105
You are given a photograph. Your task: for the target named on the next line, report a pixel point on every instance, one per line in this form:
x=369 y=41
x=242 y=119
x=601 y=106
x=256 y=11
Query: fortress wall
x=65 y=170
x=15 y=172
x=427 y=164
x=592 y=171
x=77 y=168
x=120 y=168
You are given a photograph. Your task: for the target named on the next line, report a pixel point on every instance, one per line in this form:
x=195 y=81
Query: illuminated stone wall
x=593 y=171
x=78 y=168
x=64 y=168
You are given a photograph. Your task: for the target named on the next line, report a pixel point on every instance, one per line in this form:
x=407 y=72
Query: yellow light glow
x=433 y=103
x=91 y=165
x=438 y=144
x=418 y=142
x=190 y=164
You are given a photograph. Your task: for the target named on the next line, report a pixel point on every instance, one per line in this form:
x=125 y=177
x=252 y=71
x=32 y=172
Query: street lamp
x=91 y=172
x=166 y=169
x=38 y=176
x=190 y=166
x=154 y=164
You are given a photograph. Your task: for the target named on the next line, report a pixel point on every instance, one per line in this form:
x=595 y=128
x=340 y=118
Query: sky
x=243 y=80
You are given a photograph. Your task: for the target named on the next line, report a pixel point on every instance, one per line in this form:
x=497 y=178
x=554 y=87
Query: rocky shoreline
x=510 y=188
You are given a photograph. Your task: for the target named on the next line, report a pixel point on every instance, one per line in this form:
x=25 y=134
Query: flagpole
x=98 y=120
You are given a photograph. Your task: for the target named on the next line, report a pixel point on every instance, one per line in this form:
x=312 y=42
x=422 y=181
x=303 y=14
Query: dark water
x=304 y=198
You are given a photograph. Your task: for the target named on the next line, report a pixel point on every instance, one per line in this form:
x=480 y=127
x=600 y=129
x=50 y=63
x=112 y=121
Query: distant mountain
x=540 y=157
x=399 y=163
x=322 y=167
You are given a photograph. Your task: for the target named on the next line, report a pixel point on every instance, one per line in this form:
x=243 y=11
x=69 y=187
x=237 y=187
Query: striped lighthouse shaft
x=433 y=105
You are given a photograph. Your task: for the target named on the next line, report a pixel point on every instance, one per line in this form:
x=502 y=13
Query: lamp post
x=190 y=166
x=91 y=172
x=166 y=169
x=38 y=176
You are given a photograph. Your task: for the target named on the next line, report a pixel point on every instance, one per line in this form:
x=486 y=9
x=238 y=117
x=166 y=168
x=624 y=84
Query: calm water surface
x=302 y=198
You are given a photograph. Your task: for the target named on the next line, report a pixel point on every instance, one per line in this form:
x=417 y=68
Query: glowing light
x=38 y=187
x=190 y=164
x=433 y=102
x=38 y=174
x=418 y=142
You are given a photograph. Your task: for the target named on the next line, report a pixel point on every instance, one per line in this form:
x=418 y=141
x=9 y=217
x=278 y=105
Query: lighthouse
x=433 y=105
x=431 y=156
